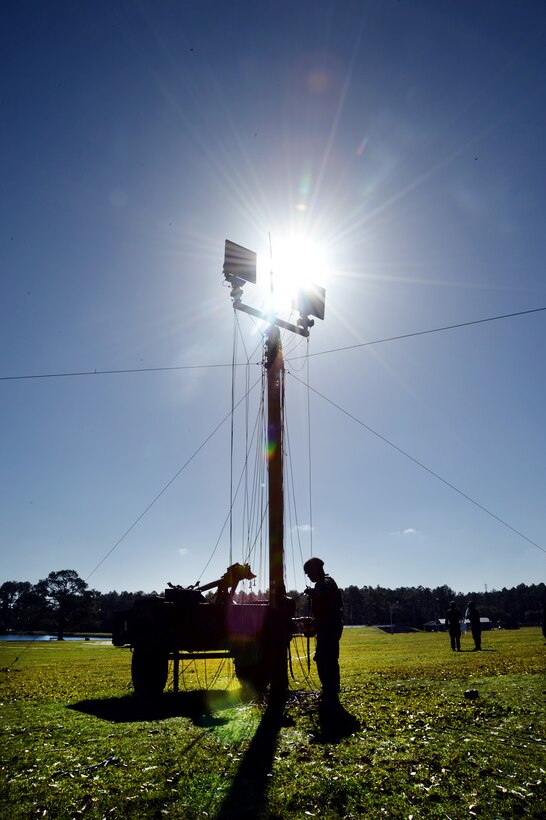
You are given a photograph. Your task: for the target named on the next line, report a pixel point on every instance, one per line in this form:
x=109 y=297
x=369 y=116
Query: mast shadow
x=247 y=797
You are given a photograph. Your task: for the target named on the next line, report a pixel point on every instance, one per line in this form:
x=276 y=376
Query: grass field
x=76 y=742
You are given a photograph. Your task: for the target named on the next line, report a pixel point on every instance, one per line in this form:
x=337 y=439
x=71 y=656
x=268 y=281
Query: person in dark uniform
x=475 y=625
x=327 y=610
x=453 y=619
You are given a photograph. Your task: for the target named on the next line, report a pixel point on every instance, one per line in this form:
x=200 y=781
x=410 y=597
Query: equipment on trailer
x=182 y=623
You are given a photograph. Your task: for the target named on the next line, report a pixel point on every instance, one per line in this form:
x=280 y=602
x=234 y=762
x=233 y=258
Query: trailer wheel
x=149 y=670
x=252 y=671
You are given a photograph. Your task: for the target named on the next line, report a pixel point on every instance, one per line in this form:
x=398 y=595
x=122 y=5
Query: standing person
x=327 y=610
x=475 y=625
x=453 y=619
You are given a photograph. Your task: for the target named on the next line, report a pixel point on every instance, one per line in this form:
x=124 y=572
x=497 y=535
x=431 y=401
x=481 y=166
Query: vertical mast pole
x=275 y=401
x=277 y=593
x=239 y=268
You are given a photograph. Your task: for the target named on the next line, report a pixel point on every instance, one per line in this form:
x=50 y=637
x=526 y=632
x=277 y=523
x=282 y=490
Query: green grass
x=76 y=742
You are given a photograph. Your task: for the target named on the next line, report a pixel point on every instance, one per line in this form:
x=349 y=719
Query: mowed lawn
x=76 y=742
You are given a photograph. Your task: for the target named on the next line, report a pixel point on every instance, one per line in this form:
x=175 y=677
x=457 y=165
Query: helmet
x=316 y=563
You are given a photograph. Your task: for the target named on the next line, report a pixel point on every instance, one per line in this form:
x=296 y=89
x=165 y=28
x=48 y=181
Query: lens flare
x=270 y=450
x=297 y=263
x=304 y=188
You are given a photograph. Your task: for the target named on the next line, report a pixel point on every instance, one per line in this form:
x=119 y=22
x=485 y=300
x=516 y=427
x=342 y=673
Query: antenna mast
x=239 y=268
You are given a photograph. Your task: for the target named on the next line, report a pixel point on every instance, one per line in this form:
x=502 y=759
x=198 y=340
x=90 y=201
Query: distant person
x=327 y=611
x=463 y=626
x=475 y=625
x=453 y=619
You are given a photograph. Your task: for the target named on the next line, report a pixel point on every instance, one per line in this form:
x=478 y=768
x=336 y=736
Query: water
x=13 y=636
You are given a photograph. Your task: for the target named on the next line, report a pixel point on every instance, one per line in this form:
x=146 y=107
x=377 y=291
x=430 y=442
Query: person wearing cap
x=327 y=610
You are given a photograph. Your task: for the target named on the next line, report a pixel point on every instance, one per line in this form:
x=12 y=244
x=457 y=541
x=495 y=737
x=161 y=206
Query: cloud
x=304 y=528
x=407 y=531
x=182 y=551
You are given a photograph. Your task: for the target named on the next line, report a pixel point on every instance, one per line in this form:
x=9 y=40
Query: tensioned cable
x=158 y=496
x=291 y=497
x=114 y=372
x=232 y=501
x=257 y=514
x=420 y=464
x=244 y=364
x=231 y=439
x=248 y=505
x=255 y=510
x=255 y=532
x=425 y=332
x=247 y=383
x=310 y=476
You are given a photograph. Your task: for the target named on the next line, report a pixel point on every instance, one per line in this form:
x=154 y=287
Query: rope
x=165 y=488
x=291 y=498
x=227 y=517
x=301 y=654
x=233 y=360
x=309 y=455
x=424 y=467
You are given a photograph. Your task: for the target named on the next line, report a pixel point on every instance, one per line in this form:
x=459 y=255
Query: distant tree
x=10 y=592
x=533 y=617
x=63 y=600
x=87 y=616
x=31 y=609
x=110 y=602
x=412 y=607
x=353 y=605
x=442 y=598
x=68 y=599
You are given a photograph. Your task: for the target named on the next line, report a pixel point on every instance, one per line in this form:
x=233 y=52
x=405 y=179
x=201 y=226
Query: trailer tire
x=149 y=671
x=252 y=672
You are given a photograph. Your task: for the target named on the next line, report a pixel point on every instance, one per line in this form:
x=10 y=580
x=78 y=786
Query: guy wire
x=233 y=360
x=291 y=498
x=422 y=465
x=309 y=452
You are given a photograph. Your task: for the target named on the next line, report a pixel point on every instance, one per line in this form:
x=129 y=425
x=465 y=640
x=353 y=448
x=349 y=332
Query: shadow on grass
x=335 y=723
x=247 y=797
x=199 y=706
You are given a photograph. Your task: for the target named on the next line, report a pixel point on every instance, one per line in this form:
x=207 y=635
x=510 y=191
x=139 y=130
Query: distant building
x=395 y=628
x=439 y=624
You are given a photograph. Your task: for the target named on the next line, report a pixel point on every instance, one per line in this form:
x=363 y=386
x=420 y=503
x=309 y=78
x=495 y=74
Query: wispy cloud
x=407 y=531
x=182 y=551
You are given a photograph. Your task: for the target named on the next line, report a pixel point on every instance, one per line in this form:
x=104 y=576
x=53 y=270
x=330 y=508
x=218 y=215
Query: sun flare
x=296 y=263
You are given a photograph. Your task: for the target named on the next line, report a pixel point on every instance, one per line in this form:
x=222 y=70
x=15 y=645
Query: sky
x=405 y=142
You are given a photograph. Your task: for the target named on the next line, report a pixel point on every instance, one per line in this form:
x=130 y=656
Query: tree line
x=63 y=602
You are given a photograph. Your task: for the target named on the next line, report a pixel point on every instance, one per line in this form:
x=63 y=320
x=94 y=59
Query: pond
x=14 y=636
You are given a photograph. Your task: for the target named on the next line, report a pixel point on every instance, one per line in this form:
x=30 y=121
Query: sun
x=297 y=262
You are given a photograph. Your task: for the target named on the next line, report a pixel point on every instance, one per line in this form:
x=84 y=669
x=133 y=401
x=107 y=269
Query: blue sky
x=406 y=139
